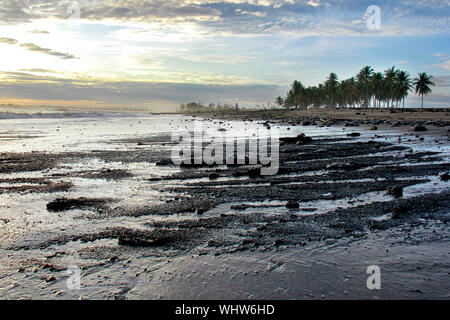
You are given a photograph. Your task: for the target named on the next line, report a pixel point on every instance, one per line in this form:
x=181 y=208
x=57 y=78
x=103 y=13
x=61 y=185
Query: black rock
x=445 y=177
x=239 y=173
x=64 y=204
x=213 y=176
x=377 y=225
x=396 y=191
x=254 y=173
x=399 y=211
x=292 y=205
x=278 y=242
x=164 y=162
x=420 y=128
x=302 y=138
x=134 y=238
x=154 y=179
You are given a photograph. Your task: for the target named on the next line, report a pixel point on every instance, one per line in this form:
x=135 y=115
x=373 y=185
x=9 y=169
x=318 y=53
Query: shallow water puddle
x=270 y=208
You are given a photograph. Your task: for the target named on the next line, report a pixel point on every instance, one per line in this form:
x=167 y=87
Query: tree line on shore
x=368 y=89
x=198 y=106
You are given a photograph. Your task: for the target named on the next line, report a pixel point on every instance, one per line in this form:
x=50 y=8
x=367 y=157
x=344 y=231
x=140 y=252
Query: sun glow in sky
x=161 y=53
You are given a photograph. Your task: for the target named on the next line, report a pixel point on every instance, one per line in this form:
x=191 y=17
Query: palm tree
x=422 y=84
x=322 y=98
x=378 y=87
x=331 y=87
x=364 y=78
x=404 y=85
x=280 y=101
x=296 y=92
x=342 y=94
x=390 y=76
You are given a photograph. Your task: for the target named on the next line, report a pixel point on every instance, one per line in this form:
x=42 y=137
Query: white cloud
x=313 y=3
x=307 y=17
x=444 y=65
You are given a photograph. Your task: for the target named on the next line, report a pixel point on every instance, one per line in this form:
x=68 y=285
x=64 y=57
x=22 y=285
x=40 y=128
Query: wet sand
x=139 y=227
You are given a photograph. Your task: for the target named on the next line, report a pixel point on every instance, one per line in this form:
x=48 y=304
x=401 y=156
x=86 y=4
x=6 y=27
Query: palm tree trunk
x=367 y=95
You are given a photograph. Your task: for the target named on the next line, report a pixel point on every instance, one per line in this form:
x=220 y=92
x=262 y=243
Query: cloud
x=442 y=81
x=244 y=17
x=8 y=40
x=25 y=85
x=252 y=13
x=39 y=32
x=22 y=11
x=36 y=48
x=219 y=59
x=148 y=11
x=444 y=65
x=313 y=3
x=37 y=70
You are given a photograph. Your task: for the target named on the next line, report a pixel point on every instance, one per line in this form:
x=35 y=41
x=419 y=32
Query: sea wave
x=60 y=115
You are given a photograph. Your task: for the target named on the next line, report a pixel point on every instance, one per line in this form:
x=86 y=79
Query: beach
x=99 y=193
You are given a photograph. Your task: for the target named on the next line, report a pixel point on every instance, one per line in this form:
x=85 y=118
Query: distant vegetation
x=367 y=89
x=194 y=106
x=198 y=107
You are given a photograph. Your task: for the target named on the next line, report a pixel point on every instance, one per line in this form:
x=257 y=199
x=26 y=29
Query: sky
x=160 y=53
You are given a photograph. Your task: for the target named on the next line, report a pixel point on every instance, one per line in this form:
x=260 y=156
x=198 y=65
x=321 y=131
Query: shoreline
x=437 y=117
